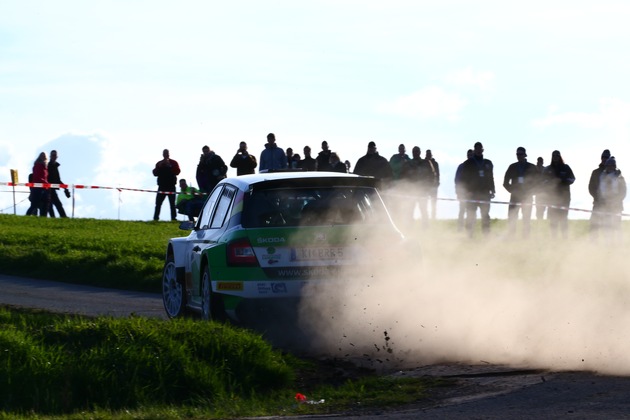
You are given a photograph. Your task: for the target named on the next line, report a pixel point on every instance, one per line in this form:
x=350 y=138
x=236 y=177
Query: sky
x=110 y=84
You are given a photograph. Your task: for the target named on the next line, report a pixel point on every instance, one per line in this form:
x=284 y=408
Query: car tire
x=173 y=290
x=211 y=303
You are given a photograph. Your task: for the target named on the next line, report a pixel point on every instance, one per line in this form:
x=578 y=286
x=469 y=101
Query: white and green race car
x=264 y=237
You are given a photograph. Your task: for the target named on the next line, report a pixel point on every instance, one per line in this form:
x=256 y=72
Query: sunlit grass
x=108 y=253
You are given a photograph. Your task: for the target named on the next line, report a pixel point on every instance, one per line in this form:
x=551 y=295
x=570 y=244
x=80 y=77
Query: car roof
x=301 y=178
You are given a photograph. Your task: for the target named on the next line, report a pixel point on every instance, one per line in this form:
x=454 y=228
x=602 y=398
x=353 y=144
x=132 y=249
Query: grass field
x=59 y=366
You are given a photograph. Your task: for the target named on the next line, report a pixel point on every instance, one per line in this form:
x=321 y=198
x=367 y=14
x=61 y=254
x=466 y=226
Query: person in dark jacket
x=308 y=163
x=478 y=183
x=519 y=180
x=557 y=180
x=323 y=158
x=336 y=165
x=420 y=177
x=166 y=172
x=273 y=157
x=612 y=192
x=55 y=178
x=460 y=191
x=593 y=189
x=210 y=170
x=433 y=191
x=243 y=162
x=373 y=164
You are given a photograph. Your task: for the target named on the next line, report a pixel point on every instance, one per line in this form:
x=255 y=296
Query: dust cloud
x=528 y=303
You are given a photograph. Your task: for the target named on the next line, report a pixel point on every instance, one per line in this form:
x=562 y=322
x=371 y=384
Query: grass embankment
x=108 y=253
x=74 y=367
x=55 y=365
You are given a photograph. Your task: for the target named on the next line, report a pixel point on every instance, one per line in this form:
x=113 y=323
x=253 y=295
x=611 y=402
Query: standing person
x=308 y=163
x=336 y=165
x=323 y=158
x=373 y=164
x=433 y=191
x=593 y=188
x=55 y=178
x=478 y=182
x=243 y=161
x=519 y=180
x=558 y=178
x=419 y=173
x=612 y=191
x=460 y=191
x=398 y=162
x=272 y=157
x=289 y=154
x=210 y=170
x=33 y=210
x=166 y=171
x=41 y=198
x=540 y=189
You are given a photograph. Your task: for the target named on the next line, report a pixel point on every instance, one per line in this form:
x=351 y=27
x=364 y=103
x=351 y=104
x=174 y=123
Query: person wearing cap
x=593 y=189
x=478 y=183
x=519 y=180
x=611 y=193
x=373 y=164
x=558 y=178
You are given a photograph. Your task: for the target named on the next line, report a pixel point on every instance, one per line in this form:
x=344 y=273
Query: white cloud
x=612 y=113
x=429 y=102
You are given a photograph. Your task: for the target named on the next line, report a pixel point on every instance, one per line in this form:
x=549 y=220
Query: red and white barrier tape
x=87 y=187
x=95 y=187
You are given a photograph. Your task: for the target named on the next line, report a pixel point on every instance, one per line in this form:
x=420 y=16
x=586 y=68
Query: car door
x=209 y=231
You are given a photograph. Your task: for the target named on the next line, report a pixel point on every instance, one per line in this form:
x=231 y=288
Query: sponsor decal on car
x=278 y=240
x=272 y=288
x=233 y=286
x=272 y=257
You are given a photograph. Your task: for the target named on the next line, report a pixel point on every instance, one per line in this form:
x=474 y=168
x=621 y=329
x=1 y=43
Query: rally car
x=265 y=237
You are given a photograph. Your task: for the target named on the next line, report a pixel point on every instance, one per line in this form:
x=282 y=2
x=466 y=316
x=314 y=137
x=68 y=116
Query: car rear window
x=313 y=207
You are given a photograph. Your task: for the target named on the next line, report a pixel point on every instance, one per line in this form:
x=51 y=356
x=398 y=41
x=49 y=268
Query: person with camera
x=243 y=161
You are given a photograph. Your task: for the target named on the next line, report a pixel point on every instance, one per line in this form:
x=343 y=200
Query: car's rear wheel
x=211 y=303
x=173 y=290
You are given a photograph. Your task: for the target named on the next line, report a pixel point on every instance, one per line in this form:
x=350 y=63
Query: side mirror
x=187 y=225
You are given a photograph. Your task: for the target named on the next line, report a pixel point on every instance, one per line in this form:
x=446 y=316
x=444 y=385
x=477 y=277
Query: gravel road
x=484 y=391
x=76 y=299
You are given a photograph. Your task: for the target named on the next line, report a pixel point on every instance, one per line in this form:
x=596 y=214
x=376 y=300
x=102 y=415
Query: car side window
x=206 y=213
x=222 y=207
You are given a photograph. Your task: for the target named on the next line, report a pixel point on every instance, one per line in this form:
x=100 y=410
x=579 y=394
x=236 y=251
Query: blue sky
x=109 y=84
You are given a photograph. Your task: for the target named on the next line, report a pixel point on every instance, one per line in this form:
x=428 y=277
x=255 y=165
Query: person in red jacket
x=40 y=197
x=166 y=172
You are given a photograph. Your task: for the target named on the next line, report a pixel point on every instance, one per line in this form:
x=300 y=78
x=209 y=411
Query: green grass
x=61 y=366
x=107 y=253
